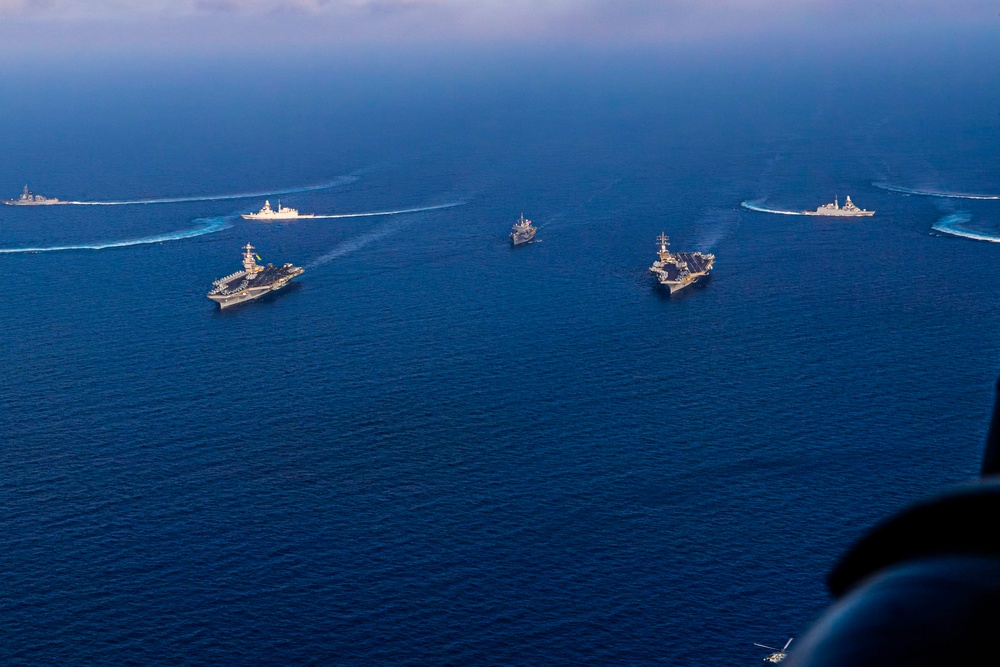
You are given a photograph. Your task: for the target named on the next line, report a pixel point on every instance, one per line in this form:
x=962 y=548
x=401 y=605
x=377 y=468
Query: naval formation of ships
x=673 y=270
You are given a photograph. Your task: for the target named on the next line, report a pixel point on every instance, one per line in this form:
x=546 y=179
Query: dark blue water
x=436 y=449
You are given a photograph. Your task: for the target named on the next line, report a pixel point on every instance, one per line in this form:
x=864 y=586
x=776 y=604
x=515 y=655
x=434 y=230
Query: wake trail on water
x=377 y=234
x=359 y=242
x=400 y=211
x=932 y=193
x=344 y=180
x=205 y=226
x=952 y=224
x=755 y=206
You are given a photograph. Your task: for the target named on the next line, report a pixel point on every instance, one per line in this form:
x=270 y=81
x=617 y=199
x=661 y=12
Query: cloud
x=593 y=21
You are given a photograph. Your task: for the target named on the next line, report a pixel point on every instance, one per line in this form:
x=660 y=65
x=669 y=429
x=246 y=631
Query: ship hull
x=254 y=216
x=862 y=214
x=15 y=202
x=265 y=280
x=249 y=294
x=521 y=239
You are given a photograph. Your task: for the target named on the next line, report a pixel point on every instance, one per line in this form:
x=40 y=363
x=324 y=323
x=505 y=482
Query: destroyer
x=253 y=282
x=283 y=213
x=29 y=199
x=834 y=209
x=523 y=231
x=677 y=270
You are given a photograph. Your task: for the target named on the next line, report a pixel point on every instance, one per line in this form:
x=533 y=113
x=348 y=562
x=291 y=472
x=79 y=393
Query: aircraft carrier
x=677 y=270
x=523 y=231
x=28 y=198
x=253 y=282
x=849 y=209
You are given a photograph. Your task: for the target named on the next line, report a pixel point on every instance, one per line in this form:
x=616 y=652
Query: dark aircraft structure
x=922 y=588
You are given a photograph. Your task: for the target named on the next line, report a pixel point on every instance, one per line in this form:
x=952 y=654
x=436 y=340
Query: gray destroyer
x=28 y=198
x=523 y=231
x=848 y=210
x=253 y=282
x=677 y=270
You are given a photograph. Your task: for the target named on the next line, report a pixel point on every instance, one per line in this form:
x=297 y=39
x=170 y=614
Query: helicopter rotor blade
x=769 y=648
x=787 y=643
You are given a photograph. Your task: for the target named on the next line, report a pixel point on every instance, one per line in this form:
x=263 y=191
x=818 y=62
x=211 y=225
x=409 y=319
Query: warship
x=523 y=231
x=677 y=270
x=253 y=282
x=283 y=213
x=848 y=210
x=27 y=198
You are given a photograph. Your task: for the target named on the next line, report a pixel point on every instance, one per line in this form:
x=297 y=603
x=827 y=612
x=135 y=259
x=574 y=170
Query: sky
x=65 y=26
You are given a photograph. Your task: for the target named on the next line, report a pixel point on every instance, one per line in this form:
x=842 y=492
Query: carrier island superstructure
x=253 y=282
x=677 y=270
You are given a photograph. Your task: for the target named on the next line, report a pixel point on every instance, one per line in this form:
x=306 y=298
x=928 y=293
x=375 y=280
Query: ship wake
x=932 y=193
x=359 y=242
x=954 y=224
x=203 y=226
x=756 y=206
x=343 y=180
x=401 y=211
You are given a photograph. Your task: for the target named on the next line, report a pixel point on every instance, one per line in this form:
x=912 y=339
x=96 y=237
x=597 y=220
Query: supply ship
x=28 y=198
x=848 y=210
x=283 y=213
x=253 y=282
x=523 y=231
x=677 y=270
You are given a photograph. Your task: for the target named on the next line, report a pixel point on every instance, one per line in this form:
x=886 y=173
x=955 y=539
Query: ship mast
x=664 y=242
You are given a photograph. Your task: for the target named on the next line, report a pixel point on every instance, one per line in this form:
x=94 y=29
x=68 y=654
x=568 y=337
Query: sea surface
x=434 y=448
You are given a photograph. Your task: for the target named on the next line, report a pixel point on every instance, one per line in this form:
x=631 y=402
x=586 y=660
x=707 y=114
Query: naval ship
x=253 y=282
x=27 y=198
x=834 y=209
x=677 y=270
x=523 y=231
x=283 y=213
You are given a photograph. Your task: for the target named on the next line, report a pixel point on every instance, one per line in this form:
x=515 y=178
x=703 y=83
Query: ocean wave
x=952 y=224
x=205 y=226
x=932 y=193
x=755 y=206
x=343 y=180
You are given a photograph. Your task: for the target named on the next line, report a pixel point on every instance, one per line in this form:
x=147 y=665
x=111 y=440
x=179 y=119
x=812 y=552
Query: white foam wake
x=396 y=212
x=952 y=224
x=932 y=193
x=755 y=206
x=343 y=180
x=358 y=243
x=205 y=226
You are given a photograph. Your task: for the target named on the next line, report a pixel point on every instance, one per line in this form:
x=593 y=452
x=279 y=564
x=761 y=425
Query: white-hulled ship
x=849 y=210
x=253 y=282
x=28 y=198
x=523 y=231
x=677 y=270
x=283 y=213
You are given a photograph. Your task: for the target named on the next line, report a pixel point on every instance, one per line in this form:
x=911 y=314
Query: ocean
x=435 y=449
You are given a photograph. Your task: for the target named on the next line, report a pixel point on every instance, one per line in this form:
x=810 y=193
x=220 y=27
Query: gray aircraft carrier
x=253 y=282
x=677 y=270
